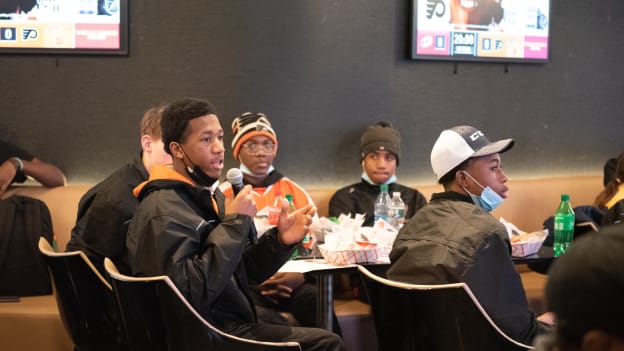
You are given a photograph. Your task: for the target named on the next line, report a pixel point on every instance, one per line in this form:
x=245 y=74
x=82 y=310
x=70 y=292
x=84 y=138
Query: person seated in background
x=184 y=228
x=609 y=171
x=611 y=199
x=255 y=145
x=380 y=150
x=584 y=290
x=105 y=210
x=454 y=238
x=16 y=164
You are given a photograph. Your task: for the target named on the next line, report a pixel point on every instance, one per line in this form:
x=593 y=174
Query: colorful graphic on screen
x=492 y=30
x=61 y=24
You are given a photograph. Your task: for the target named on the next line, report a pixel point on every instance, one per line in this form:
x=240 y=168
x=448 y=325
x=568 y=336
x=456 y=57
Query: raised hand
x=292 y=227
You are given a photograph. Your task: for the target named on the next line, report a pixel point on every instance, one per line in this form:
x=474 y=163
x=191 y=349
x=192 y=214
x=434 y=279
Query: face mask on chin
x=197 y=175
x=200 y=177
x=488 y=200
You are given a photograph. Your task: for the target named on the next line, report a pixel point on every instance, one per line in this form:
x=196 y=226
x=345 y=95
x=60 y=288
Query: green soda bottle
x=291 y=204
x=564 y=226
x=302 y=250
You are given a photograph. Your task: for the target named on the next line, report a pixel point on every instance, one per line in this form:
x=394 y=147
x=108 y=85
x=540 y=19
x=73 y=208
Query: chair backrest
x=85 y=301
x=158 y=317
x=431 y=317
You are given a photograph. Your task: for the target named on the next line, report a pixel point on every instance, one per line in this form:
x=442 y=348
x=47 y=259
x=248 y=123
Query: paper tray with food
x=347 y=242
x=344 y=256
x=524 y=244
x=527 y=244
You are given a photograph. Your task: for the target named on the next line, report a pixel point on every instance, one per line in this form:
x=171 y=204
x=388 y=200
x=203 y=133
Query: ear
x=146 y=143
x=176 y=150
x=597 y=340
x=461 y=179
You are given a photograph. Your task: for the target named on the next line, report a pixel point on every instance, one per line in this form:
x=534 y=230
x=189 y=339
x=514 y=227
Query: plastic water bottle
x=564 y=225
x=396 y=211
x=382 y=204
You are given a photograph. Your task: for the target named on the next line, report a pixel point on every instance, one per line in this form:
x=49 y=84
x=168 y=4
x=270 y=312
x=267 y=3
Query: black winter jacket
x=176 y=231
x=360 y=198
x=104 y=213
x=451 y=240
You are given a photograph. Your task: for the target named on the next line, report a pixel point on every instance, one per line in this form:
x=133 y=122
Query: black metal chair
x=444 y=317
x=158 y=317
x=85 y=301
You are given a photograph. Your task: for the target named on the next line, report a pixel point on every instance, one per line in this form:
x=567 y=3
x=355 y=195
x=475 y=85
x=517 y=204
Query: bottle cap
x=384 y=187
x=565 y=197
x=396 y=194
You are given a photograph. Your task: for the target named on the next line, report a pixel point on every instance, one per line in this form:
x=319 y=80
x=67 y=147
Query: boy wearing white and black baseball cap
x=458 y=144
x=454 y=238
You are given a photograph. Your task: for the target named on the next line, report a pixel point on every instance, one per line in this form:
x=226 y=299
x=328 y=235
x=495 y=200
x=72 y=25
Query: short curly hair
x=176 y=117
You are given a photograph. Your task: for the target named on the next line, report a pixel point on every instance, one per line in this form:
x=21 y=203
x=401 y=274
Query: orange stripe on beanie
x=249 y=125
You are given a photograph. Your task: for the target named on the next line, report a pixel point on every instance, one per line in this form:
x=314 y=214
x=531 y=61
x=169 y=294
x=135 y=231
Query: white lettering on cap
x=474 y=136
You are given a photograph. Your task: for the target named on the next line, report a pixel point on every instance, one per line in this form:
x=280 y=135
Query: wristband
x=17 y=163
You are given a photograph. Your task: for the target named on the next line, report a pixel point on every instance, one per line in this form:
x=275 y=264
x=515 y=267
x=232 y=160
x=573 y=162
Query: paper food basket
x=348 y=256
x=528 y=244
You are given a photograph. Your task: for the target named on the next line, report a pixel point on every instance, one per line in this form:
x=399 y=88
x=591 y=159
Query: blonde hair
x=150 y=123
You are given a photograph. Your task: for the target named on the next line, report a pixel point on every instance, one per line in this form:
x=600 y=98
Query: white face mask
x=247 y=171
x=488 y=200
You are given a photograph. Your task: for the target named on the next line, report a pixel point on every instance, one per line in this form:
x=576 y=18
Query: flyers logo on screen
x=29 y=34
x=8 y=34
x=436 y=7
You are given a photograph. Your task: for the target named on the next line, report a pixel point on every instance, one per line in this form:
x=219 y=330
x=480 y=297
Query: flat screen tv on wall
x=64 y=27
x=481 y=30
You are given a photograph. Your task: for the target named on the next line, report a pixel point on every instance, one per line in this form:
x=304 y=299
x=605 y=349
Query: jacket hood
x=161 y=177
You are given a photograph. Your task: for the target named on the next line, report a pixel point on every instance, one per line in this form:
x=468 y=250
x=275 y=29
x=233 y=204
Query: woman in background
x=611 y=199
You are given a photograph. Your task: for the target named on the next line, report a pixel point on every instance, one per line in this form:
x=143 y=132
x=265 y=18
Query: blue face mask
x=365 y=176
x=488 y=200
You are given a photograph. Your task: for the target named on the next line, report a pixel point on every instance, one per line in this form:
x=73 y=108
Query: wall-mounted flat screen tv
x=64 y=27
x=481 y=30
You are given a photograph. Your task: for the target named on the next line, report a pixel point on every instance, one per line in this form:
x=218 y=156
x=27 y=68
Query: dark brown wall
x=322 y=70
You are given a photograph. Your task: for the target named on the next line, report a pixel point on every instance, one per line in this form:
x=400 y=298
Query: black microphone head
x=235 y=177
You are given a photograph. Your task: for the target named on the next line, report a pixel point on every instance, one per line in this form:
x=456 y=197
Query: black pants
x=310 y=339
x=301 y=304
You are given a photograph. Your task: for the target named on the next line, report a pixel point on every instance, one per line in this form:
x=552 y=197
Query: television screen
x=64 y=26
x=481 y=30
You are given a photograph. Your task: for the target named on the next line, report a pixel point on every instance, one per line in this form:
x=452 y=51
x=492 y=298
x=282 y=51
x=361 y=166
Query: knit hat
x=249 y=125
x=457 y=144
x=380 y=136
x=586 y=284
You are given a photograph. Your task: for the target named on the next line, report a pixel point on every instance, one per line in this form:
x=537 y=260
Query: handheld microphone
x=235 y=177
